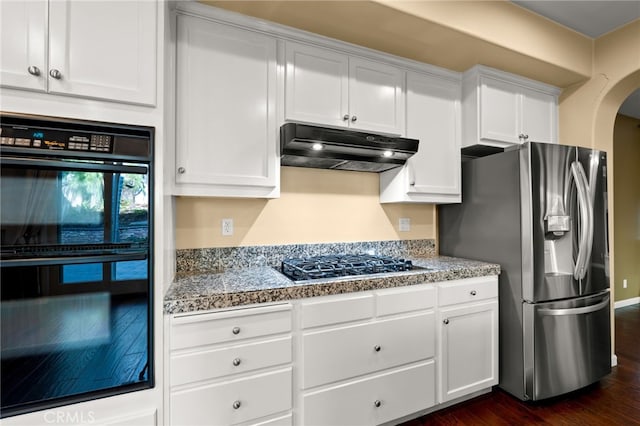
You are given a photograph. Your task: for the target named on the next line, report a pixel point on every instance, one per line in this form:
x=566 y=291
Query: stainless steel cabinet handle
x=345 y=117
x=473 y=293
x=377 y=348
x=446 y=321
x=354 y=118
x=236 y=404
x=55 y=74
x=236 y=362
x=236 y=330
x=33 y=70
x=377 y=403
x=181 y=170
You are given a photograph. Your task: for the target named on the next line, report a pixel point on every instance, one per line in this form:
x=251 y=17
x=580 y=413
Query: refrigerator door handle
x=586 y=220
x=574 y=311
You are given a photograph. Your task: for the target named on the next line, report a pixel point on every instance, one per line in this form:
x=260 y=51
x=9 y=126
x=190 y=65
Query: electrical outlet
x=624 y=283
x=227 y=226
x=404 y=224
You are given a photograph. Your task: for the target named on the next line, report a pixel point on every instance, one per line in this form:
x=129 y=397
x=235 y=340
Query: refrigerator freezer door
x=594 y=164
x=567 y=345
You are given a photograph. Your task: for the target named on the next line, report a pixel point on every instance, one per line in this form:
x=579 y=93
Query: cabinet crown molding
x=292 y=34
x=482 y=70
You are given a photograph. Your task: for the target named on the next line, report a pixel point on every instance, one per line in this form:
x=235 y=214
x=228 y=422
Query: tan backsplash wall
x=315 y=206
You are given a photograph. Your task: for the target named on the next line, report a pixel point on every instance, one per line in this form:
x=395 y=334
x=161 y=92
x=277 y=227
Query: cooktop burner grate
x=331 y=266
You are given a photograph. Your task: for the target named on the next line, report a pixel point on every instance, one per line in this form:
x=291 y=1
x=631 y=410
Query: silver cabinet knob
x=236 y=362
x=181 y=170
x=55 y=74
x=473 y=293
x=446 y=321
x=377 y=348
x=236 y=405
x=354 y=118
x=33 y=70
x=236 y=330
x=345 y=117
x=377 y=403
x=523 y=136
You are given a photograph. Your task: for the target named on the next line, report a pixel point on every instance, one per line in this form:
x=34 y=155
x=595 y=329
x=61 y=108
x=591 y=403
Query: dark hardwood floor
x=615 y=400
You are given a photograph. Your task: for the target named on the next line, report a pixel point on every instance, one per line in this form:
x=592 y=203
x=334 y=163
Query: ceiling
x=593 y=19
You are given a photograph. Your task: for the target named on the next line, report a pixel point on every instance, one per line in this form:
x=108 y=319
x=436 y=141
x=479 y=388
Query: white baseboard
x=614 y=360
x=626 y=302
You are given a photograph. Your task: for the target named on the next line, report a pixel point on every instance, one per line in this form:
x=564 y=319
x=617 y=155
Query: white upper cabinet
x=330 y=88
x=317 y=82
x=97 y=49
x=23 y=44
x=433 y=117
x=226 y=132
x=501 y=109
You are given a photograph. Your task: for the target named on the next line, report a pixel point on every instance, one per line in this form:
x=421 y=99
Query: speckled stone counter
x=263 y=284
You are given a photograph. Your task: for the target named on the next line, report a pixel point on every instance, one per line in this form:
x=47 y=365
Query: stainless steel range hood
x=302 y=145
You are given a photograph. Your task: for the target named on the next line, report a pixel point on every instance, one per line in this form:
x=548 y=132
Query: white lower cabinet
x=231 y=367
x=232 y=402
x=363 y=358
x=374 y=400
x=370 y=370
x=468 y=335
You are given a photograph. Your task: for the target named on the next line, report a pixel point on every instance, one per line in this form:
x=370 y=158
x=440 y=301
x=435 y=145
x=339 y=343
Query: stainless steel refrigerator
x=540 y=211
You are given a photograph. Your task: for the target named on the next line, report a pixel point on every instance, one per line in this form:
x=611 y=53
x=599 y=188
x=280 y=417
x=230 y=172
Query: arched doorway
x=603 y=139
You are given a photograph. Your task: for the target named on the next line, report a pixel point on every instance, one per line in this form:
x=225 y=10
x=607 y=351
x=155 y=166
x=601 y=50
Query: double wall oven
x=77 y=262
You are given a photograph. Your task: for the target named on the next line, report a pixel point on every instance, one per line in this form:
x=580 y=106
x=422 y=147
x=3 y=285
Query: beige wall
x=588 y=111
x=315 y=206
x=451 y=34
x=626 y=151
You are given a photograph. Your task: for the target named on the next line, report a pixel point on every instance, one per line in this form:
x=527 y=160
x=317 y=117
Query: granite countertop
x=264 y=284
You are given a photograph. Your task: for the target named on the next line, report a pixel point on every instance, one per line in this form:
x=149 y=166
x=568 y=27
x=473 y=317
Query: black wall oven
x=76 y=261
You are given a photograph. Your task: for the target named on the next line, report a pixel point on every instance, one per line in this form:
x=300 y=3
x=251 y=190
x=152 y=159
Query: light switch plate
x=404 y=224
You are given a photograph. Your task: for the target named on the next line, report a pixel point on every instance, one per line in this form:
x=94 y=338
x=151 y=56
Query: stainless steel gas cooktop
x=341 y=265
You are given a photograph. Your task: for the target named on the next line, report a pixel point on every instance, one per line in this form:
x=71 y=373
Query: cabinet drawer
x=467 y=290
x=205 y=329
x=203 y=365
x=342 y=353
x=405 y=299
x=335 y=310
x=374 y=400
x=258 y=396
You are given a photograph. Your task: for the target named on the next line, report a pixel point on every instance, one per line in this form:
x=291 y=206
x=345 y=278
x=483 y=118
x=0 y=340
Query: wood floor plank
x=614 y=401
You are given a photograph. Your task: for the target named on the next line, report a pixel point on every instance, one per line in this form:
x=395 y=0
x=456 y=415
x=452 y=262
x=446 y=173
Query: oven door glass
x=75 y=284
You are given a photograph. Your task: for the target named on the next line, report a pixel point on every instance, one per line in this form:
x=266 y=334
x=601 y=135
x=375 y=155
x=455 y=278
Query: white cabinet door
x=432 y=175
x=226 y=123
x=103 y=49
x=329 y=88
x=539 y=116
x=96 y=49
x=376 y=100
x=23 y=44
x=469 y=349
x=499 y=111
x=316 y=85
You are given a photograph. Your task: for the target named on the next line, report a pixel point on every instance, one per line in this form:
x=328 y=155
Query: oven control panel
x=26 y=137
